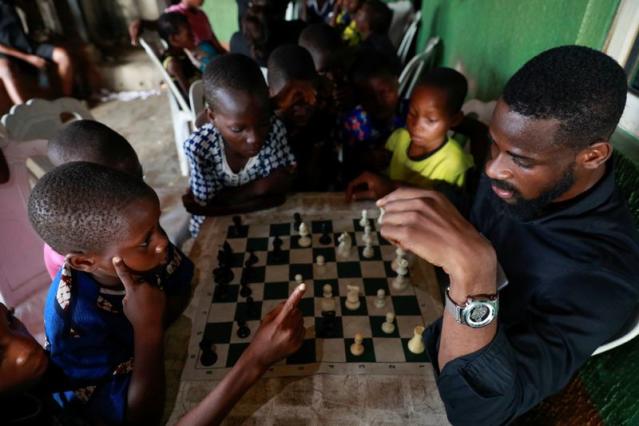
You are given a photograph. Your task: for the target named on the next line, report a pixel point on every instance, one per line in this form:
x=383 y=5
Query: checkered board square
x=271 y=280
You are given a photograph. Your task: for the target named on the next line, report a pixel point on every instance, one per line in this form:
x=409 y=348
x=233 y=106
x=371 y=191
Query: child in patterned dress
x=240 y=161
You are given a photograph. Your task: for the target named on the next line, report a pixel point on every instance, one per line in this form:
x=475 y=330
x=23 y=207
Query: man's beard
x=523 y=209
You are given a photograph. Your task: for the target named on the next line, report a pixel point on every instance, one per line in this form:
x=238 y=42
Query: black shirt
x=574 y=285
x=11 y=31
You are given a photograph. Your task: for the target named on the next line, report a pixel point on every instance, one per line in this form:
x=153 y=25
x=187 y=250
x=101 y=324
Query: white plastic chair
x=181 y=113
x=197 y=102
x=416 y=66
x=409 y=36
x=403 y=13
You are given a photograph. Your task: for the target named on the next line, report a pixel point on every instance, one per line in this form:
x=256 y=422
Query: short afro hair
x=379 y=15
x=170 y=23
x=88 y=140
x=287 y=63
x=582 y=88
x=79 y=207
x=320 y=40
x=452 y=82
x=370 y=63
x=233 y=72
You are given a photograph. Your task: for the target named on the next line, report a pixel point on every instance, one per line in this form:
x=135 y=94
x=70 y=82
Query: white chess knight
x=401 y=282
x=388 y=326
x=416 y=343
x=328 y=301
x=352 y=297
x=364 y=220
x=305 y=240
x=345 y=244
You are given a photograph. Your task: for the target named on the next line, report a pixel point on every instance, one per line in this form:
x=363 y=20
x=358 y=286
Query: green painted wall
x=488 y=40
x=223 y=17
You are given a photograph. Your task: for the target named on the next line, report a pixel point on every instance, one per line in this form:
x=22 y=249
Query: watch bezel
x=477 y=303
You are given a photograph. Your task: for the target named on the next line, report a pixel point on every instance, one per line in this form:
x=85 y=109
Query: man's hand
x=369 y=186
x=36 y=61
x=427 y=224
x=281 y=332
x=143 y=304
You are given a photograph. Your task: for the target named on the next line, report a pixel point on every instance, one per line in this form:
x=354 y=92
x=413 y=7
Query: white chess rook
x=352 y=297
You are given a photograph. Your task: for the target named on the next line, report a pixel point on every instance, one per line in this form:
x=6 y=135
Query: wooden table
x=320 y=398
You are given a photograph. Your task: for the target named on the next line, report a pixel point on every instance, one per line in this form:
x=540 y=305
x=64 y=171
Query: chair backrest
x=41 y=119
x=409 y=36
x=174 y=91
x=403 y=14
x=196 y=98
x=416 y=66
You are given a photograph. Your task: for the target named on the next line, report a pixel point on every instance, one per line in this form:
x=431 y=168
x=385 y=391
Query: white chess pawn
x=357 y=348
x=320 y=260
x=399 y=254
x=380 y=217
x=388 y=326
x=328 y=302
x=352 y=297
x=364 y=220
x=380 y=302
x=368 y=251
x=401 y=282
x=416 y=343
x=304 y=240
x=345 y=244
x=299 y=279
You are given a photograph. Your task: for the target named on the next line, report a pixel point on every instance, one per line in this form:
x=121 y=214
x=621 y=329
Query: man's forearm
x=145 y=398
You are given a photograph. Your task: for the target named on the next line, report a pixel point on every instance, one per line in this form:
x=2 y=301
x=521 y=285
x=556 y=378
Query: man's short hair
x=233 y=72
x=380 y=16
x=79 y=206
x=370 y=63
x=287 y=63
x=88 y=140
x=321 y=37
x=452 y=82
x=170 y=24
x=582 y=88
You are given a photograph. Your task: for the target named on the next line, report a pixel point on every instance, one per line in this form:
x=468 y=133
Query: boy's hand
x=369 y=186
x=143 y=304
x=37 y=61
x=281 y=332
x=191 y=205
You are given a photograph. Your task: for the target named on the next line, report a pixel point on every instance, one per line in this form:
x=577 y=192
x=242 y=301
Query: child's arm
x=34 y=60
x=176 y=71
x=144 y=306
x=370 y=186
x=280 y=334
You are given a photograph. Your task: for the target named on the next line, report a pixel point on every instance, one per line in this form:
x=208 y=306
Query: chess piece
x=357 y=348
x=245 y=290
x=252 y=259
x=297 y=218
x=325 y=239
x=401 y=282
x=320 y=260
x=304 y=240
x=352 y=297
x=380 y=217
x=388 y=326
x=243 y=331
x=345 y=244
x=416 y=343
x=328 y=301
x=299 y=279
x=368 y=251
x=237 y=226
x=399 y=254
x=380 y=302
x=367 y=237
x=364 y=220
x=208 y=357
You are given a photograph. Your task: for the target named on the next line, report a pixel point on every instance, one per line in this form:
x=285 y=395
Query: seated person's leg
x=9 y=76
x=62 y=60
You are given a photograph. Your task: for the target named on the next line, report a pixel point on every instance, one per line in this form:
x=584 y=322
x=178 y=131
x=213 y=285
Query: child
x=342 y=19
x=422 y=153
x=379 y=112
x=293 y=86
x=88 y=140
x=174 y=29
x=240 y=161
x=315 y=11
x=373 y=20
x=110 y=348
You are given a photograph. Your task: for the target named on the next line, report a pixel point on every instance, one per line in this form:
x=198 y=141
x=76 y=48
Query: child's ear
x=82 y=262
x=457 y=119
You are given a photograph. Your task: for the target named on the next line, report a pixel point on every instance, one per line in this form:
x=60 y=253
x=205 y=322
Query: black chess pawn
x=223 y=275
x=245 y=290
x=325 y=238
x=237 y=226
x=277 y=247
x=243 y=331
x=208 y=356
x=297 y=218
x=252 y=259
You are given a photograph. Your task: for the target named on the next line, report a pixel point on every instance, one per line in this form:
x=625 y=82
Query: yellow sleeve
x=394 y=140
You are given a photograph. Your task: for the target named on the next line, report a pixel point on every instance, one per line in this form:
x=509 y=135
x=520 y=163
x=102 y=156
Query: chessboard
x=251 y=263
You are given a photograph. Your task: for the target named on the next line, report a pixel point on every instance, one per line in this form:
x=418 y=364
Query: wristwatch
x=478 y=311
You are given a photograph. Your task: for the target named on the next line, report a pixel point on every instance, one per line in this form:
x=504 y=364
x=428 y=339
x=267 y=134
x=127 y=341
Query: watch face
x=479 y=313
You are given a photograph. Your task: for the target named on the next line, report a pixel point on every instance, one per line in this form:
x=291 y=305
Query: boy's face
x=183 y=39
x=428 y=118
x=22 y=359
x=143 y=247
x=379 y=97
x=361 y=20
x=243 y=119
x=296 y=102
